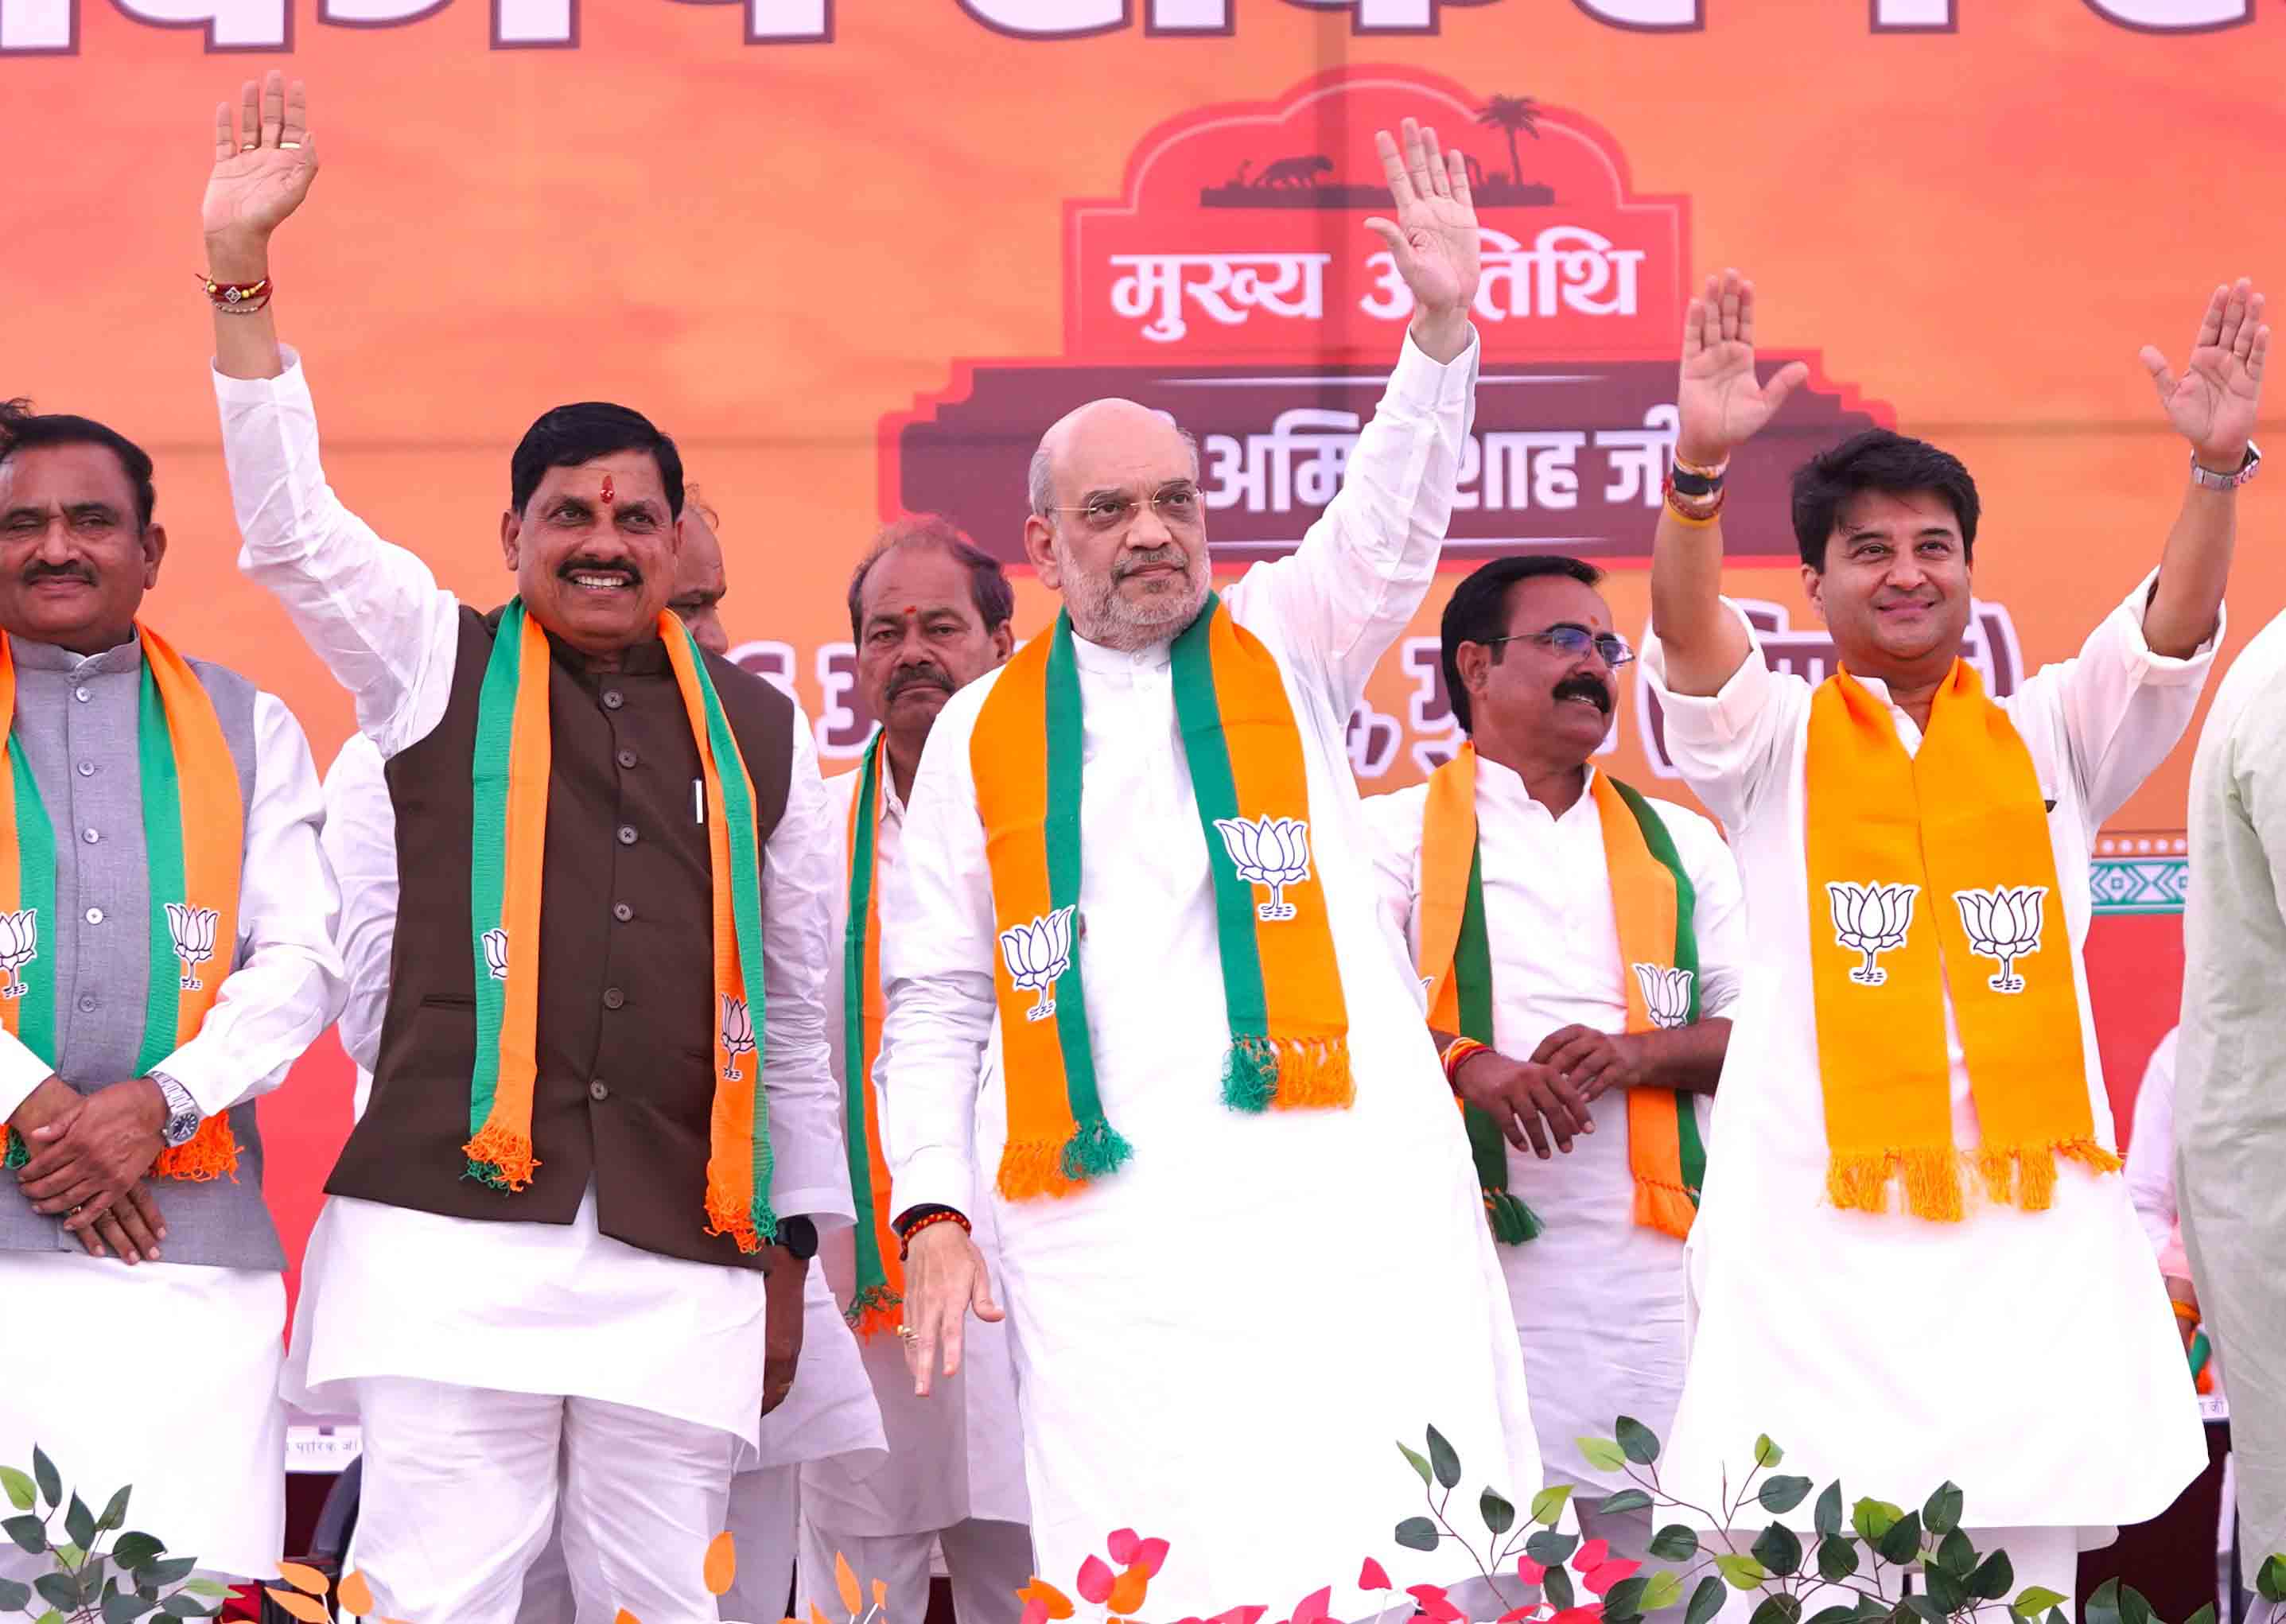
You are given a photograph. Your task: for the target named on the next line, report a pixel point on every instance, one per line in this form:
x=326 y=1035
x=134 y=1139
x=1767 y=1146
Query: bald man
x=1240 y=1233
x=830 y=1410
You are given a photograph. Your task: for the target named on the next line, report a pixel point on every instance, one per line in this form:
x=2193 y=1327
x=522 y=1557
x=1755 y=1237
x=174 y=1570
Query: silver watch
x=2213 y=481
x=182 y=1116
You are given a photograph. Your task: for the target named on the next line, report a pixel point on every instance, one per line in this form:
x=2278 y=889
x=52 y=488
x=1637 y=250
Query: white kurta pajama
x=2029 y=1357
x=1598 y=1298
x=165 y=1376
x=830 y=1409
x=395 y=1298
x=1215 y=1345
x=955 y=1465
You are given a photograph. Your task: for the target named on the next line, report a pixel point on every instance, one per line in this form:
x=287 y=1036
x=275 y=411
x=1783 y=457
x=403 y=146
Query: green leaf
x=1706 y=1601
x=1623 y=1602
x=14 y=1598
x=49 y=1616
x=1777 y=1610
x=2133 y=1608
x=1625 y=1500
x=79 y=1523
x=132 y=1550
x=1827 y=1517
x=2270 y=1579
x=180 y=1606
x=1834 y=1615
x=1666 y=1589
x=1766 y=1453
x=1837 y=1559
x=174 y=1570
x=1742 y=1573
x=57 y=1590
x=1779 y=1549
x=2204 y=1615
x=1780 y=1495
x=1955 y=1555
x=1673 y=1543
x=2056 y=1616
x=51 y=1482
x=1923 y=1609
x=71 y=1554
x=1942 y=1514
x=1419 y=1463
x=1902 y=1542
x=1417 y=1534
x=1602 y=1453
x=1555 y=1589
x=29 y=1533
x=1443 y=1458
x=20 y=1491
x=1946 y=1589
x=1992 y=1578
x=115 y=1515
x=1872 y=1519
x=207 y=1587
x=1550 y=1549
x=1637 y=1441
x=2036 y=1601
x=1547 y=1505
x=123 y=1609
x=1499 y=1515
x=2102 y=1607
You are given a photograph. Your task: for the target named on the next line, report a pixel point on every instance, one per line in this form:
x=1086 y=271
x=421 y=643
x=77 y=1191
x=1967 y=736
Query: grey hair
x=1040 y=481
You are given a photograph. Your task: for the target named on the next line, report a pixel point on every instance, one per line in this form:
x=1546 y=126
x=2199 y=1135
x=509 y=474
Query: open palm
x=2213 y=403
x=264 y=167
x=1719 y=404
x=1434 y=239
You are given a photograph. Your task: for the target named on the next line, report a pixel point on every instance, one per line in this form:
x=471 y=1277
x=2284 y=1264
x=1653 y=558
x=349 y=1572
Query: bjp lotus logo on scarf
x=2003 y=925
x=1666 y=995
x=1871 y=919
x=495 y=943
x=1270 y=851
x=738 y=1035
x=20 y=945
x=194 y=931
x=1037 y=955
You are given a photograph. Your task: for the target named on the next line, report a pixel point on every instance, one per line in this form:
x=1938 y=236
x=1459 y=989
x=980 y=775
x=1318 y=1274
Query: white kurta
x=959 y=1454
x=393 y=1291
x=1598 y=1298
x=830 y=1409
x=1215 y=1345
x=2029 y=1357
x=195 y=1426
x=2230 y=1105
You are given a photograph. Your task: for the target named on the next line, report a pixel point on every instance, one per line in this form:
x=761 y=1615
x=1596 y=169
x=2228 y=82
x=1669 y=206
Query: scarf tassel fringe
x=1293 y=1074
x=1033 y=1167
x=2023 y=1176
x=500 y=1158
x=750 y=1225
x=212 y=1153
x=1667 y=1208
x=1512 y=1222
x=876 y=1309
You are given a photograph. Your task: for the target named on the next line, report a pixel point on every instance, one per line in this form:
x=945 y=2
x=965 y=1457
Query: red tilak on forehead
x=608 y=492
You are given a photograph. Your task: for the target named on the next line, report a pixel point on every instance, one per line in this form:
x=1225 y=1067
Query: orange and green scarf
x=1653 y=901
x=193 y=838
x=1282 y=985
x=880 y=1281
x=508 y=842
x=1919 y=866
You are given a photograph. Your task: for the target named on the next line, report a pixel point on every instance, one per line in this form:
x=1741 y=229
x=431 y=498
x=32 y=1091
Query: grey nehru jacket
x=77 y=724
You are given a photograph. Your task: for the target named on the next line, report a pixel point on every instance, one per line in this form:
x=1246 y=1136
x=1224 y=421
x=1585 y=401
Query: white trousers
x=463 y=1485
x=988 y=1563
x=764 y=1506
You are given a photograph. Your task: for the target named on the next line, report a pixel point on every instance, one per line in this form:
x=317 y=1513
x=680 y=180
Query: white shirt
x=2029 y=1357
x=1256 y=1282
x=394 y=1291
x=1598 y=1298
x=959 y=1454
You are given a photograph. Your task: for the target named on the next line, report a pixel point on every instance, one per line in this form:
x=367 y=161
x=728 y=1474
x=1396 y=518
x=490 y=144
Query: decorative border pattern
x=2140 y=873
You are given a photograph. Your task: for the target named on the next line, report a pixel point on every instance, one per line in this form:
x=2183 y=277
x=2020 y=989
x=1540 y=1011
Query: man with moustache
x=830 y=1409
x=1914 y=1103
x=602 y=1110
x=165 y=920
x=1239 y=1231
x=929 y=614
x=1580 y=944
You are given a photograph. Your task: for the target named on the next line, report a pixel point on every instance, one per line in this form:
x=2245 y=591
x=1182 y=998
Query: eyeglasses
x=1571 y=641
x=1177 y=506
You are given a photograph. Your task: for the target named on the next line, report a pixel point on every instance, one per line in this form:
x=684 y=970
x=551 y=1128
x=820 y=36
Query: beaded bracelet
x=237 y=298
x=1457 y=1055
x=1689 y=512
x=948 y=1216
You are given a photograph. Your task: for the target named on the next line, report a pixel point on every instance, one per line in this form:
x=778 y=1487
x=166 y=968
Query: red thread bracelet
x=237 y=298
x=905 y=1240
x=1457 y=1055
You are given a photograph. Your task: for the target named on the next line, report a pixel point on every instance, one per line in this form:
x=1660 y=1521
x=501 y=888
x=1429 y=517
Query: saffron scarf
x=880 y=1279
x=1282 y=985
x=193 y=838
x=509 y=839
x=1919 y=866
x=1652 y=901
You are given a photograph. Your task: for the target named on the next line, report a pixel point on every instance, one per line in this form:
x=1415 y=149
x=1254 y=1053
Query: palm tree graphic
x=1510 y=114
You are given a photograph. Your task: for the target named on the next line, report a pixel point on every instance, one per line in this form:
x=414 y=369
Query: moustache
x=1151 y=560
x=918 y=676
x=35 y=574
x=1584 y=687
x=588 y=564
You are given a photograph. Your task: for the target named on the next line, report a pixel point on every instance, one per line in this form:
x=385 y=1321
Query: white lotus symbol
x=1037 y=955
x=495 y=943
x=194 y=931
x=738 y=1035
x=1871 y=919
x=20 y=945
x=1666 y=995
x=1270 y=851
x=2003 y=924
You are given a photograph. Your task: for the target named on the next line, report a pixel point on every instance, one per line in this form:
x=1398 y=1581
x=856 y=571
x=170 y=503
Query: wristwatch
x=799 y=1236
x=2213 y=481
x=183 y=1115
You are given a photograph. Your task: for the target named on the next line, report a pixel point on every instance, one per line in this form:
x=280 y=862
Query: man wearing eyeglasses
x=1578 y=945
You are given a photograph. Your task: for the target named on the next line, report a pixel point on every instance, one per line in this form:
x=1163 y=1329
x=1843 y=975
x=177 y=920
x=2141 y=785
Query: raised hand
x=1718 y=401
x=263 y=164
x=1433 y=239
x=2213 y=403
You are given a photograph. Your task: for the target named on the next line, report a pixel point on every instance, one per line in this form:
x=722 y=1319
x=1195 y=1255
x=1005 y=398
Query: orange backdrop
x=841 y=271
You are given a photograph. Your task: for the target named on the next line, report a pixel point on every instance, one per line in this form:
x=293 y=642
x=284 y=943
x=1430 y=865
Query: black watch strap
x=798 y=1236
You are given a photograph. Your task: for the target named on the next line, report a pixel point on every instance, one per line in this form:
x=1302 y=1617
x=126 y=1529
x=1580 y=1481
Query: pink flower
x=1532 y=1573
x=1432 y=1601
x=1036 y=1612
x=1372 y=1576
x=1095 y=1579
x=1312 y=1609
